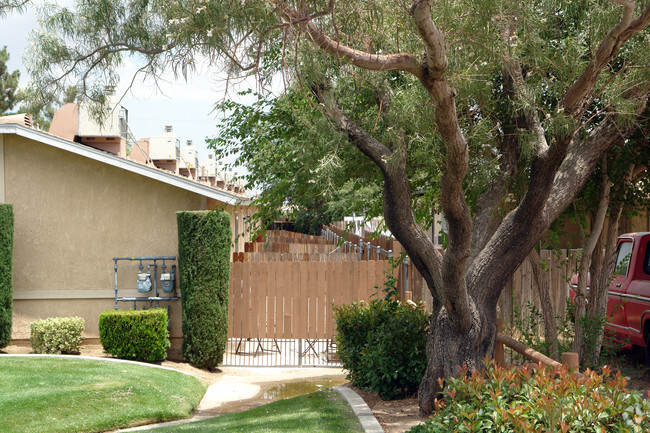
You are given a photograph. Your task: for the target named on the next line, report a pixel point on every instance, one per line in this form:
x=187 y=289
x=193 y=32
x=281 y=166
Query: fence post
x=571 y=361
x=406 y=274
x=499 y=353
x=378 y=252
x=361 y=250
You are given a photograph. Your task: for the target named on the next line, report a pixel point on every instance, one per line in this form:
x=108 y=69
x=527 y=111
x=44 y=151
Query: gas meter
x=168 y=280
x=144 y=282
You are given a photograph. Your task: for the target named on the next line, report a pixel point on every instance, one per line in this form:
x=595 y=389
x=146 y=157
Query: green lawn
x=47 y=394
x=323 y=411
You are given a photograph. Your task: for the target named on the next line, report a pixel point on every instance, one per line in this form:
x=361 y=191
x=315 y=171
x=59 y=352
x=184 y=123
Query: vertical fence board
x=303 y=300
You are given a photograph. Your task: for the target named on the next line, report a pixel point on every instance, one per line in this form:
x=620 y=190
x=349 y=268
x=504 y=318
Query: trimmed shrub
x=56 y=335
x=535 y=398
x=353 y=324
x=139 y=335
x=383 y=345
x=204 y=240
x=6 y=288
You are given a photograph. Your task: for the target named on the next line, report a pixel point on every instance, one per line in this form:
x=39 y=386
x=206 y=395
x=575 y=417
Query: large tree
x=533 y=93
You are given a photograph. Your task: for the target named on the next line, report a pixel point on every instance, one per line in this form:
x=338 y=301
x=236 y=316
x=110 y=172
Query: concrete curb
x=361 y=410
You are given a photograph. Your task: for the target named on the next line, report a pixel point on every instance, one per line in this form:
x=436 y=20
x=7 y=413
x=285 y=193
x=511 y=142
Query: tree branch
x=575 y=99
x=434 y=42
x=374 y=62
x=520 y=229
x=398 y=209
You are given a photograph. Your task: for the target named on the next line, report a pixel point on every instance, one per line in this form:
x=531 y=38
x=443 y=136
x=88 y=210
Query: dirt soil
x=395 y=416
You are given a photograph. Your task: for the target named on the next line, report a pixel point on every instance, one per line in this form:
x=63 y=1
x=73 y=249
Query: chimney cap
x=169 y=128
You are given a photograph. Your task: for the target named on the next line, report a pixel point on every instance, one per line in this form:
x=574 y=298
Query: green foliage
x=56 y=335
x=594 y=327
x=139 y=335
x=204 y=240
x=8 y=83
x=6 y=287
x=535 y=398
x=9 y=6
x=301 y=167
x=528 y=324
x=382 y=345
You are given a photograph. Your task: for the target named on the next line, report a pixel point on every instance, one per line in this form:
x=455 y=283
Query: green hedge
x=204 y=240
x=6 y=289
x=56 y=335
x=140 y=335
x=383 y=345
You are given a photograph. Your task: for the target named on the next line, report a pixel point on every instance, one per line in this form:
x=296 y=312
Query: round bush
x=383 y=345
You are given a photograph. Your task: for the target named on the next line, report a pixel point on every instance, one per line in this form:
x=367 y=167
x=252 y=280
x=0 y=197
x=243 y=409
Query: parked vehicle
x=628 y=305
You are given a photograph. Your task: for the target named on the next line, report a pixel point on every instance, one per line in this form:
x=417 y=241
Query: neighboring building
x=76 y=207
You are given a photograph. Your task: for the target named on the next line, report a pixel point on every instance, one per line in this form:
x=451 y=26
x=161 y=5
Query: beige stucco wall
x=72 y=216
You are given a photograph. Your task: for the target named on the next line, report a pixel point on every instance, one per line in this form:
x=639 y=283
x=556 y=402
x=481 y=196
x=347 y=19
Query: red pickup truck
x=628 y=305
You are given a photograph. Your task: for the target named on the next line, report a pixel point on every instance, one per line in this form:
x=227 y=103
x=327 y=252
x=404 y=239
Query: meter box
x=144 y=282
x=168 y=281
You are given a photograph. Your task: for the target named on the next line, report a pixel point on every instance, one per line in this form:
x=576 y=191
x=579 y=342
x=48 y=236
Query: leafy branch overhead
x=496 y=111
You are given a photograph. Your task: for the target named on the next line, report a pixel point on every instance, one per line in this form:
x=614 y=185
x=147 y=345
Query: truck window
x=623 y=258
x=646 y=261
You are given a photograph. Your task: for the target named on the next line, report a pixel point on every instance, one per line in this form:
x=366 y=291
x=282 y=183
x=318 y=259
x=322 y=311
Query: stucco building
x=76 y=207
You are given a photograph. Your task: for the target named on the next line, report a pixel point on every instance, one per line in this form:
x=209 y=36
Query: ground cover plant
x=46 y=394
x=535 y=398
x=322 y=411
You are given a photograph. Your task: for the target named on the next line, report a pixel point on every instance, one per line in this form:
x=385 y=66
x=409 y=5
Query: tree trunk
x=448 y=350
x=601 y=276
x=543 y=289
x=585 y=265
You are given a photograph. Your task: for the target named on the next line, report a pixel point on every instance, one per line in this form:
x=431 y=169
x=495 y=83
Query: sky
x=187 y=106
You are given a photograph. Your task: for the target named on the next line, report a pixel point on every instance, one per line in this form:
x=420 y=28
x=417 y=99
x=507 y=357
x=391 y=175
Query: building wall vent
x=20 y=119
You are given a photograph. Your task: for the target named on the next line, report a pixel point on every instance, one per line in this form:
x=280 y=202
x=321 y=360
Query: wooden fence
x=520 y=292
x=293 y=300
x=283 y=285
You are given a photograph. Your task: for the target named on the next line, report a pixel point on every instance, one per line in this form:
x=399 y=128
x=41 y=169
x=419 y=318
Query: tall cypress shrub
x=6 y=288
x=204 y=239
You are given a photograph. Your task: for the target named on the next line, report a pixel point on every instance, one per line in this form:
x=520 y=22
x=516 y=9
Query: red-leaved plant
x=536 y=398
